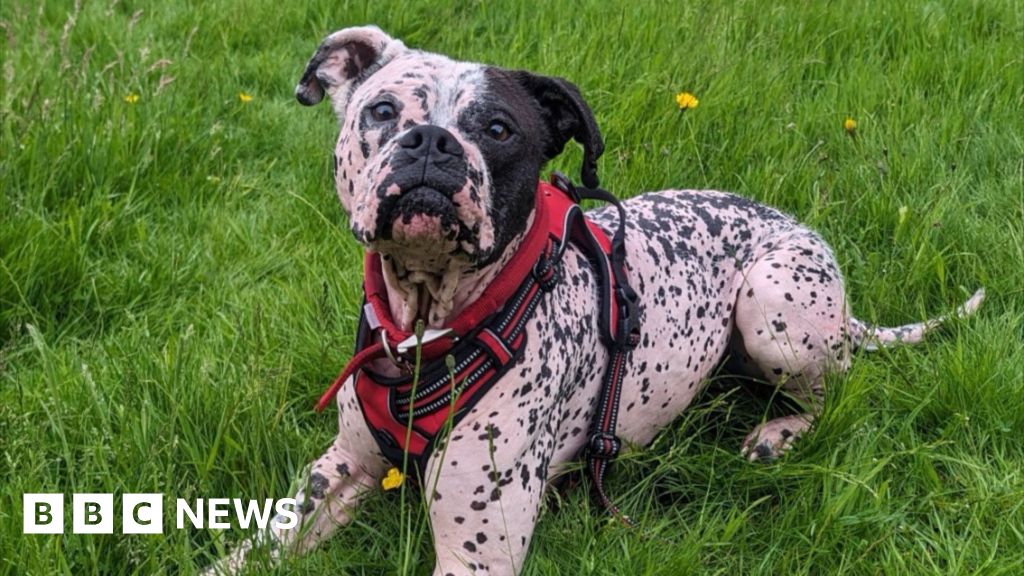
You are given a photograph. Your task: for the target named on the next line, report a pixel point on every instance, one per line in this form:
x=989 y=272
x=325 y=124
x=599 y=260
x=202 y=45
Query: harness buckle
x=429 y=335
x=604 y=446
x=628 y=333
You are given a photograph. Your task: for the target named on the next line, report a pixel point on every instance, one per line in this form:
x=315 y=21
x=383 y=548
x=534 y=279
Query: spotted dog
x=437 y=167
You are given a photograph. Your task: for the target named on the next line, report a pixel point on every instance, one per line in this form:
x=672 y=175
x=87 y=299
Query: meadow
x=178 y=285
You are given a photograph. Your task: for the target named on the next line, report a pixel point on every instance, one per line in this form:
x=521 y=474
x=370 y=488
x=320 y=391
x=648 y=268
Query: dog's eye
x=383 y=112
x=499 y=130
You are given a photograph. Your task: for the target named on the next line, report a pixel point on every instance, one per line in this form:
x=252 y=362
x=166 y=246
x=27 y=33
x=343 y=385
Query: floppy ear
x=567 y=116
x=344 y=60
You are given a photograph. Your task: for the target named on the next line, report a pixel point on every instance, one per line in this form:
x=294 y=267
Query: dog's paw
x=770 y=440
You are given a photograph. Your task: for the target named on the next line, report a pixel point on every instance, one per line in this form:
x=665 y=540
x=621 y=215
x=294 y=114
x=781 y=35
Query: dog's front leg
x=485 y=494
x=337 y=481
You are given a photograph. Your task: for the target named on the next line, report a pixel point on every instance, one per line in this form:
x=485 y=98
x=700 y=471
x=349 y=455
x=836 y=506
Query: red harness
x=406 y=415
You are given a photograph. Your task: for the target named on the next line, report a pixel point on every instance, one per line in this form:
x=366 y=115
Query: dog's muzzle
x=429 y=167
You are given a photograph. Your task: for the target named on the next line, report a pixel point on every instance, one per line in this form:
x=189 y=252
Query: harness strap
x=604 y=445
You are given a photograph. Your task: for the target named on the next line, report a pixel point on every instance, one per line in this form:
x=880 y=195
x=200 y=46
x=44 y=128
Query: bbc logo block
x=93 y=513
x=43 y=513
x=142 y=514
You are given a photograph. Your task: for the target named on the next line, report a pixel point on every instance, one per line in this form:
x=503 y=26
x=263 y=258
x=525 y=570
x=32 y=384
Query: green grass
x=177 y=286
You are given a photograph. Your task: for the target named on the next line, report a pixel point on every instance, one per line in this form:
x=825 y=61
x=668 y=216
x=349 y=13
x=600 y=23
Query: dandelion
x=131 y=98
x=393 y=480
x=686 y=101
x=850 y=125
x=245 y=98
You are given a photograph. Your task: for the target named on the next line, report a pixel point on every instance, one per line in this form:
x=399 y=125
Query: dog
x=437 y=167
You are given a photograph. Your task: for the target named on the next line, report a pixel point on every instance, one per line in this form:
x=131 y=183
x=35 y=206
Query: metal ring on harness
x=387 y=348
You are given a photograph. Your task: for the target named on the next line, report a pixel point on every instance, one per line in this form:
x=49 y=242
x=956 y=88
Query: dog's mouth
x=420 y=214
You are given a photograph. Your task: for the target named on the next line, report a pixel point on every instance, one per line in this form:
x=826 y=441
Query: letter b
x=92 y=514
x=42 y=513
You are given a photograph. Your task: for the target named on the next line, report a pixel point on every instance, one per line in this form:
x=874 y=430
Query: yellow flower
x=393 y=480
x=686 y=101
x=850 y=125
x=131 y=98
x=245 y=98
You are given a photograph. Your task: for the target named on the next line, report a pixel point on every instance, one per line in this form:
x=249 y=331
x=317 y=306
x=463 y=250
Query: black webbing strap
x=603 y=445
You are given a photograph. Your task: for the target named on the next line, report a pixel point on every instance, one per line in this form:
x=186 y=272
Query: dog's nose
x=423 y=141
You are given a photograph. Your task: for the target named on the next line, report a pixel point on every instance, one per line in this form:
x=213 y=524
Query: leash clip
x=397 y=361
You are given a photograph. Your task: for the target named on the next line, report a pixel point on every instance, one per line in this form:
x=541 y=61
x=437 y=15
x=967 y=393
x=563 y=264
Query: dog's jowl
x=438 y=166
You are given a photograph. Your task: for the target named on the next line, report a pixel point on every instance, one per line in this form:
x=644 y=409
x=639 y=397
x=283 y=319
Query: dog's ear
x=344 y=60
x=567 y=116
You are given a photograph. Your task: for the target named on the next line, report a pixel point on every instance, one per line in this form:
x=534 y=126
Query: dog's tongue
x=417 y=227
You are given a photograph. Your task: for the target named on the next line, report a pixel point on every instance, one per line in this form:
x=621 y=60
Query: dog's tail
x=868 y=337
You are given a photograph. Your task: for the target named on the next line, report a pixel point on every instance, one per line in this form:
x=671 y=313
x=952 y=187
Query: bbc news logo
x=144 y=513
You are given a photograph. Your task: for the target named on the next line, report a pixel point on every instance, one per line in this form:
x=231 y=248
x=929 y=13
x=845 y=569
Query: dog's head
x=438 y=159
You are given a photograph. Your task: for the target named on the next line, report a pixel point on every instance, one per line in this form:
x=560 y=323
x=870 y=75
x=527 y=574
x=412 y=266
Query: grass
x=177 y=286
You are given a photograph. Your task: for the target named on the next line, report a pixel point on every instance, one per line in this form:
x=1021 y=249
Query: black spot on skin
x=524 y=474
x=459 y=519
x=469 y=546
x=779 y=325
x=342 y=469
x=481 y=538
x=420 y=92
x=477 y=505
x=764 y=452
x=786 y=433
x=317 y=485
x=492 y=433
